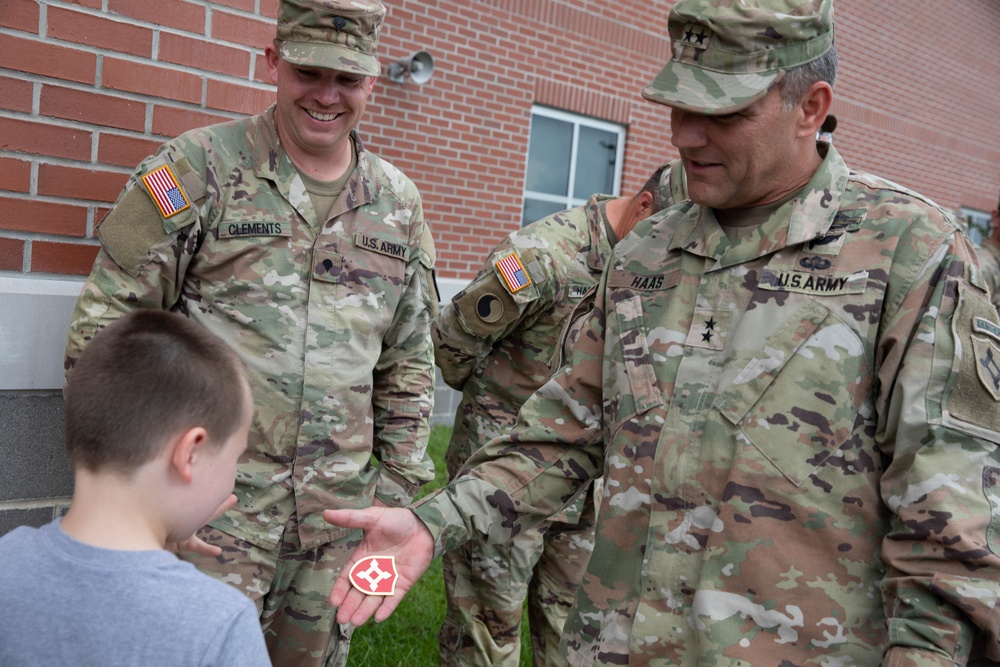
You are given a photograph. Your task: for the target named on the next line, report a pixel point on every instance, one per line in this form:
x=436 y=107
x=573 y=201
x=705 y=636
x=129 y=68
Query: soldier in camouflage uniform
x=281 y=234
x=790 y=383
x=989 y=255
x=498 y=341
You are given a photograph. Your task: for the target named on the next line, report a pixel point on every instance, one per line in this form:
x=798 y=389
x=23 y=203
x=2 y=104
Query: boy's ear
x=185 y=449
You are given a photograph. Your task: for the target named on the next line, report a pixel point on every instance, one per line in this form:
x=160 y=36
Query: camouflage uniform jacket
x=332 y=320
x=989 y=260
x=498 y=346
x=798 y=435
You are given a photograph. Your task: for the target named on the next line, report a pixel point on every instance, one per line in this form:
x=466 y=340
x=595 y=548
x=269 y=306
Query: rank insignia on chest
x=166 y=191
x=708 y=329
x=513 y=272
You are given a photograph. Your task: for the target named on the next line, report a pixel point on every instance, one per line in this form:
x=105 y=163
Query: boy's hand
x=198 y=545
x=388 y=532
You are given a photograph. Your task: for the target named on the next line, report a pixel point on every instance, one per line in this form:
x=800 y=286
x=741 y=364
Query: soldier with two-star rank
x=789 y=382
x=498 y=340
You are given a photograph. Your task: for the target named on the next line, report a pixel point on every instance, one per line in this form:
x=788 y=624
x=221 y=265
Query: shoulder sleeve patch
x=975 y=395
x=131 y=229
x=153 y=206
x=486 y=308
x=511 y=270
x=166 y=191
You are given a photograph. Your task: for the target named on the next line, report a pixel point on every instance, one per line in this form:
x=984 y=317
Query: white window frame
x=976 y=223
x=577 y=121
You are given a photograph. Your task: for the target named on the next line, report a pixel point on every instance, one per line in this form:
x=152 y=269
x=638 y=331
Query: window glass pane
x=548 y=155
x=976 y=223
x=595 y=162
x=535 y=209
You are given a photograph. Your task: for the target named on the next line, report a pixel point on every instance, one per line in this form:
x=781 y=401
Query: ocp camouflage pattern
x=336 y=34
x=497 y=348
x=332 y=320
x=798 y=433
x=727 y=53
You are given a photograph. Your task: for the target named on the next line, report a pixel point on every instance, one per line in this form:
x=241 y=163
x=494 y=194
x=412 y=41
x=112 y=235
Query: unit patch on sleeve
x=489 y=308
x=987 y=351
x=513 y=272
x=166 y=191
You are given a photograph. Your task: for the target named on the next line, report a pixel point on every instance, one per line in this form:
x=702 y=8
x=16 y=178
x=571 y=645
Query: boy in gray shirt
x=157 y=415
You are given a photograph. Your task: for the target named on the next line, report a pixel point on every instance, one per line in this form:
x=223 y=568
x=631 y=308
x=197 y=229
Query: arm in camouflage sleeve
x=403 y=391
x=517 y=480
x=142 y=260
x=462 y=340
x=938 y=428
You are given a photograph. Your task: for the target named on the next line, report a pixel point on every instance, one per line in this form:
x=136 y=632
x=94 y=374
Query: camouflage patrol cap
x=728 y=53
x=335 y=34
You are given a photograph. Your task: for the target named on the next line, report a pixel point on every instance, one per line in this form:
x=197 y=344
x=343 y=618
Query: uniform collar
x=803 y=218
x=600 y=243
x=270 y=161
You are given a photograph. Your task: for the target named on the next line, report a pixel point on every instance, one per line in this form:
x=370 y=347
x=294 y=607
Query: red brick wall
x=85 y=93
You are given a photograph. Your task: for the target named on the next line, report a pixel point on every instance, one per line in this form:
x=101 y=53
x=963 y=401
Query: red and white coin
x=375 y=575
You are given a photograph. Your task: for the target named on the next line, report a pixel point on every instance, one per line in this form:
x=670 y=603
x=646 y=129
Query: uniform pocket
x=642 y=391
x=798 y=398
x=362 y=277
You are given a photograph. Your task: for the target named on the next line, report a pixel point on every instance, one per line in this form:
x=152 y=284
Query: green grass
x=408 y=638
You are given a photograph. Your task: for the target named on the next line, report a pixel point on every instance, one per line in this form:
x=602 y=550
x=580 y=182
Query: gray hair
x=798 y=79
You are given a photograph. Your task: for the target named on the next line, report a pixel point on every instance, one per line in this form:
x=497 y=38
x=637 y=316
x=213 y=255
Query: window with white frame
x=977 y=224
x=570 y=157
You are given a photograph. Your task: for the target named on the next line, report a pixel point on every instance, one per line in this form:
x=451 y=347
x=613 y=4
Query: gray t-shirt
x=68 y=603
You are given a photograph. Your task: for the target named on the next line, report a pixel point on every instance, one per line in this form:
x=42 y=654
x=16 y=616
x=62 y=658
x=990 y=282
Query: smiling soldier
x=310 y=255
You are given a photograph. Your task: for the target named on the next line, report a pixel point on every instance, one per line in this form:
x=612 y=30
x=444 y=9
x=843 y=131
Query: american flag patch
x=513 y=272
x=166 y=191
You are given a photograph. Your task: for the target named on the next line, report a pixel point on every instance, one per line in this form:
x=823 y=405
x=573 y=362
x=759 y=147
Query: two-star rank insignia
x=696 y=35
x=709 y=329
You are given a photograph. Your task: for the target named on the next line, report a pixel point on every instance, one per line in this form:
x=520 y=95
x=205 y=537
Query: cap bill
x=330 y=56
x=703 y=91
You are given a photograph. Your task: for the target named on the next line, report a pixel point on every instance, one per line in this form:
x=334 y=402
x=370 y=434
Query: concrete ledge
x=449 y=287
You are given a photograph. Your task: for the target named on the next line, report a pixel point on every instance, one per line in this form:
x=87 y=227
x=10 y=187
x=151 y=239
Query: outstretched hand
x=388 y=531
